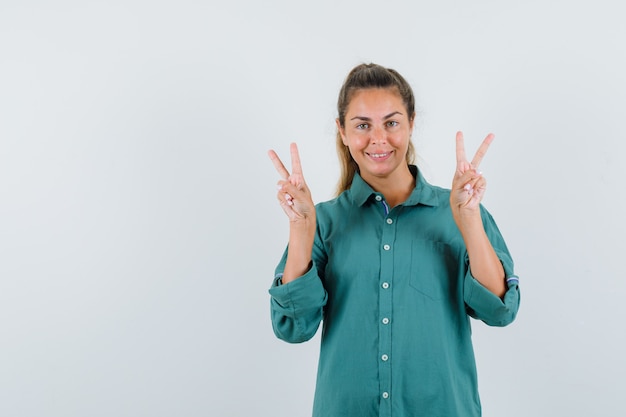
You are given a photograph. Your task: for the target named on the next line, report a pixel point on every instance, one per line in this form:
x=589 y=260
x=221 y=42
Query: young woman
x=393 y=266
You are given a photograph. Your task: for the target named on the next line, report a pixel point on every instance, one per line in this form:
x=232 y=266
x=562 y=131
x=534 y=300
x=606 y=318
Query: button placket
x=385 y=312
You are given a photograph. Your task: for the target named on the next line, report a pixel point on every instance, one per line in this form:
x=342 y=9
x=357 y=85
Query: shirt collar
x=424 y=193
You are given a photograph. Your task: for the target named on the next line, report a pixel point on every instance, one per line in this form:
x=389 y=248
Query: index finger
x=278 y=164
x=482 y=150
x=460 y=149
x=296 y=166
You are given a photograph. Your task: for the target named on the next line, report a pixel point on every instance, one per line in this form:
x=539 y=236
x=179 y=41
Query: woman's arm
x=468 y=188
x=484 y=263
x=297 y=305
x=295 y=199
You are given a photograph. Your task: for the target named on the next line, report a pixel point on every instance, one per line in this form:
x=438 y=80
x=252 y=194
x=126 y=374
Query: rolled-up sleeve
x=481 y=303
x=297 y=307
x=484 y=305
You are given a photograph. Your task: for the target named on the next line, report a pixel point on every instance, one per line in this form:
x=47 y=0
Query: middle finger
x=278 y=164
x=482 y=150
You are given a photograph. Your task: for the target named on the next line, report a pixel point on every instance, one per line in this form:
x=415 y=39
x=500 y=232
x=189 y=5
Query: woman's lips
x=379 y=156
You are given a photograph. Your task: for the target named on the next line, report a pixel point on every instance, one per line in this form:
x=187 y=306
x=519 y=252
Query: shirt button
x=378 y=198
x=385 y=395
x=386 y=247
x=385 y=285
x=385 y=320
x=384 y=358
x=389 y=221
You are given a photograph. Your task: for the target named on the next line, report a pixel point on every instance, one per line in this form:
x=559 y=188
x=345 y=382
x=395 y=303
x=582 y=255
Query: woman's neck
x=396 y=187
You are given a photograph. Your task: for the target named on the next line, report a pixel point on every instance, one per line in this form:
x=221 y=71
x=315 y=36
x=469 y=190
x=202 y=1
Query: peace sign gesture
x=293 y=194
x=468 y=185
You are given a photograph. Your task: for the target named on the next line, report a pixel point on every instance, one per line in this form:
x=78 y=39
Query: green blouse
x=395 y=292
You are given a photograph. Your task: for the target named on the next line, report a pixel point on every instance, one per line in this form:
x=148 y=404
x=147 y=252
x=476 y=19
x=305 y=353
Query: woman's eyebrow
x=392 y=114
x=367 y=119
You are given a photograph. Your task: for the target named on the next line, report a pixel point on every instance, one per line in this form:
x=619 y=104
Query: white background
x=139 y=228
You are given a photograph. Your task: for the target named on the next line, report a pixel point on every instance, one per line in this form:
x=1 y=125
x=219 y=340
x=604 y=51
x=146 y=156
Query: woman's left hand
x=468 y=184
x=468 y=189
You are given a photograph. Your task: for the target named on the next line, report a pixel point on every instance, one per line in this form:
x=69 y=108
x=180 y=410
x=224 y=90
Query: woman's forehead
x=374 y=100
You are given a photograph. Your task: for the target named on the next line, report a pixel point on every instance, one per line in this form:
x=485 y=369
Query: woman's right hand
x=295 y=199
x=293 y=194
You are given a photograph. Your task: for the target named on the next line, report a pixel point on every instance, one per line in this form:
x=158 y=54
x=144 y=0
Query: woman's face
x=377 y=130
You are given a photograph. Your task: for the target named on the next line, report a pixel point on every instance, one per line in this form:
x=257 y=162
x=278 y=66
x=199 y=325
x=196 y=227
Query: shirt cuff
x=302 y=293
x=488 y=307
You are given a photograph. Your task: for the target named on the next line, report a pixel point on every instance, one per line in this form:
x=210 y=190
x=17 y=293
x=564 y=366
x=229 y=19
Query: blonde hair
x=362 y=77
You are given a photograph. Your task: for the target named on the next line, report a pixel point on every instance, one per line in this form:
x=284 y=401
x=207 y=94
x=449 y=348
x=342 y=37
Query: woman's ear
x=341 y=131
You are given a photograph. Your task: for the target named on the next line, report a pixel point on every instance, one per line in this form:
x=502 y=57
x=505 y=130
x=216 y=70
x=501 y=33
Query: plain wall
x=139 y=227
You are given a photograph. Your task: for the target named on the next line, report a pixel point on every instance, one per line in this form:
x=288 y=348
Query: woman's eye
x=362 y=126
x=392 y=123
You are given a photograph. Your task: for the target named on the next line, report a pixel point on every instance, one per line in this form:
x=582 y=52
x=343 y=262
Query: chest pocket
x=432 y=269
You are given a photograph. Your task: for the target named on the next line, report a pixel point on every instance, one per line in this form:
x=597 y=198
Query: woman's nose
x=378 y=135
